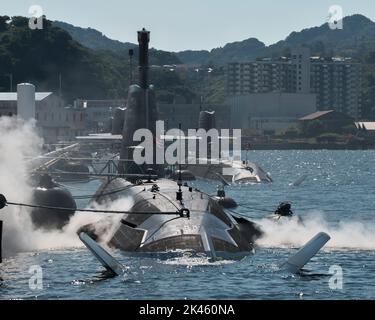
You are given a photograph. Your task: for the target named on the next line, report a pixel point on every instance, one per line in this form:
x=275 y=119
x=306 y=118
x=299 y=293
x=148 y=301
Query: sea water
x=337 y=197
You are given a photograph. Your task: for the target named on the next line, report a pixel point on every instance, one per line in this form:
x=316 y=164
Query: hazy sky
x=191 y=24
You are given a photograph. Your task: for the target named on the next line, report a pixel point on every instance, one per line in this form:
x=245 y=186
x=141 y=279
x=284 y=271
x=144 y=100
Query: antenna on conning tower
x=131 y=53
x=143 y=41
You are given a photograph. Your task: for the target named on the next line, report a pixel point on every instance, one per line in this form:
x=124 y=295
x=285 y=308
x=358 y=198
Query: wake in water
x=189 y=259
x=290 y=233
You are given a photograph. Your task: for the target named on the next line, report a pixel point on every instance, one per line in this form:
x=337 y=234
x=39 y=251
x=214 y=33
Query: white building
x=54 y=121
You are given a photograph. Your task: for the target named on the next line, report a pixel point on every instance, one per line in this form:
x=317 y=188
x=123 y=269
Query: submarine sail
x=141 y=111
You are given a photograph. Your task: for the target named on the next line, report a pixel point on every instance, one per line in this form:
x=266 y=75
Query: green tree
x=4 y=23
x=313 y=128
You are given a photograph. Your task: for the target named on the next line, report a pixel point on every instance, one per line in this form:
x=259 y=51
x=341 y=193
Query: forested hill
x=356 y=39
x=41 y=56
x=94 y=39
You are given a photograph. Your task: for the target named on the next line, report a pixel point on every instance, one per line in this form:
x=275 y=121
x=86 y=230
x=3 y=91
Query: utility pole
x=60 y=85
x=131 y=53
x=10 y=82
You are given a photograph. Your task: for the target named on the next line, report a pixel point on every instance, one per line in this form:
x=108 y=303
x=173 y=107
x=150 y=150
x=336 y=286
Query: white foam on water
x=195 y=261
x=190 y=260
x=290 y=233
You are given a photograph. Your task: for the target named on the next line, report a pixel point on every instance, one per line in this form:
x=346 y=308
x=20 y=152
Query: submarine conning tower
x=141 y=111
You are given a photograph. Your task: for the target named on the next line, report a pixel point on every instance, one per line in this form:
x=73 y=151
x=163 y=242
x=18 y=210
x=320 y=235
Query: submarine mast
x=143 y=41
x=141 y=111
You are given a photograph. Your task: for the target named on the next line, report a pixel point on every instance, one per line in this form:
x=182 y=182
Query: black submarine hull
x=209 y=229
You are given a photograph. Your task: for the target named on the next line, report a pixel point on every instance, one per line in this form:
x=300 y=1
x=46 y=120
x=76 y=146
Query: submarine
x=49 y=193
x=168 y=217
x=165 y=215
x=232 y=171
x=222 y=167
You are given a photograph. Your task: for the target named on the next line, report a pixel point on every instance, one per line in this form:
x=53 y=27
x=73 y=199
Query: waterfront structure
x=366 y=128
x=54 y=120
x=326 y=121
x=26 y=101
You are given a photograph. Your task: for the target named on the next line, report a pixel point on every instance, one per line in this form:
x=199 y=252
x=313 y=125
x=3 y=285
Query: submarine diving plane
x=166 y=216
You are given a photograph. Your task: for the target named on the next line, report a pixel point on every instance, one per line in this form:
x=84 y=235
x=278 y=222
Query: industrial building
x=54 y=121
x=327 y=121
x=269 y=113
x=97 y=113
x=366 y=128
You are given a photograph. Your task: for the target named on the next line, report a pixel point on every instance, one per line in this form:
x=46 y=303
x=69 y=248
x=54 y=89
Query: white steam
x=18 y=141
x=291 y=233
x=105 y=224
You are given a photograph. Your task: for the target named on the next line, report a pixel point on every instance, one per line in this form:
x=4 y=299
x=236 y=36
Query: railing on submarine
x=109 y=171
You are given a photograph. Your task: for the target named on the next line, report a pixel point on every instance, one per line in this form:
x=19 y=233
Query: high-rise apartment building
x=336 y=81
x=337 y=84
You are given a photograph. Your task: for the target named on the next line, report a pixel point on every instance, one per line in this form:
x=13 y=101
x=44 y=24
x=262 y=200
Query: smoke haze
x=19 y=140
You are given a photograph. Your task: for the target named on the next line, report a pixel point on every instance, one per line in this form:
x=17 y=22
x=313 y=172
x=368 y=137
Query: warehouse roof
x=315 y=115
x=12 y=96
